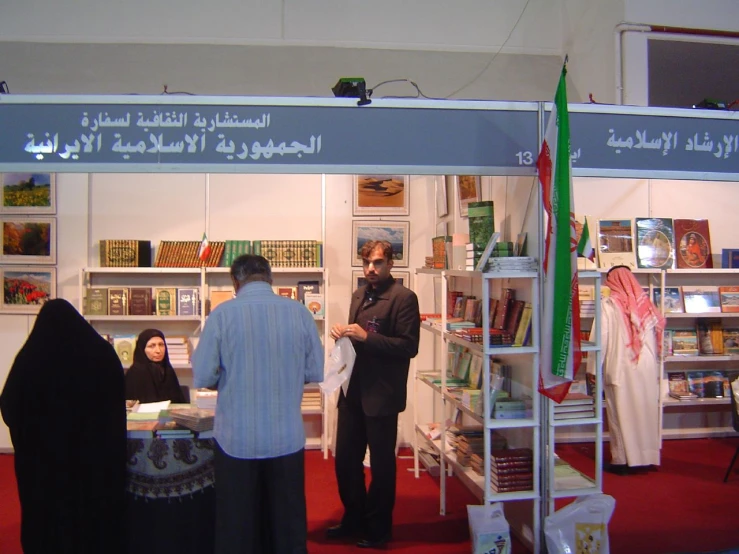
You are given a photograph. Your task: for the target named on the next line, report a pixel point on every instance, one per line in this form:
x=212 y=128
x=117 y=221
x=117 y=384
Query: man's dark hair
x=370 y=245
x=249 y=268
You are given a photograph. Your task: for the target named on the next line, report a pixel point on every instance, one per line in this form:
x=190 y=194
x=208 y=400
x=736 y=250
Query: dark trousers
x=368 y=510
x=260 y=504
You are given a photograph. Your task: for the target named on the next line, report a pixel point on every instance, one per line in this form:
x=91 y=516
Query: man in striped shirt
x=259 y=349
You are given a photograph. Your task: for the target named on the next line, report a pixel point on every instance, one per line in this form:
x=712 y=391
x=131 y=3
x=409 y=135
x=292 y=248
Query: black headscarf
x=63 y=402
x=148 y=381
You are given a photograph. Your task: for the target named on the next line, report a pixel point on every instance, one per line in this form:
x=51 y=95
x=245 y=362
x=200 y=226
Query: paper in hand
x=339 y=366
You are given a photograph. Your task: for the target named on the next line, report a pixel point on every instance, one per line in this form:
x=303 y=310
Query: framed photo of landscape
x=26 y=288
x=402 y=277
x=468 y=189
x=28 y=193
x=381 y=195
x=28 y=240
x=396 y=233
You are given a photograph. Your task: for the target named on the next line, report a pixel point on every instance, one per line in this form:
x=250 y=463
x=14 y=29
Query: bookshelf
x=205 y=280
x=522 y=506
x=699 y=417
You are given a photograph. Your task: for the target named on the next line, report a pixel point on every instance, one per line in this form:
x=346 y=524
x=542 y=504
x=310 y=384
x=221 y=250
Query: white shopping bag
x=581 y=526
x=339 y=366
x=489 y=529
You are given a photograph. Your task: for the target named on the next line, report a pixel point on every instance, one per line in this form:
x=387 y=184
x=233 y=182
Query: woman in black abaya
x=151 y=377
x=63 y=402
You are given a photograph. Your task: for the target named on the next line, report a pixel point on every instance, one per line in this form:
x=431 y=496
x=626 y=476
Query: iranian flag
x=204 y=252
x=560 y=353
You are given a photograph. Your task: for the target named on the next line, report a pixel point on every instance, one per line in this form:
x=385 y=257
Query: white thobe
x=631 y=391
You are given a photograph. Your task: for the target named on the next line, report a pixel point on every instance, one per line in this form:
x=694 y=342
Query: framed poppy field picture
x=26 y=288
x=28 y=240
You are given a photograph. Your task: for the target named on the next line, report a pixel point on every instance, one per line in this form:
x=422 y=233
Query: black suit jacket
x=379 y=379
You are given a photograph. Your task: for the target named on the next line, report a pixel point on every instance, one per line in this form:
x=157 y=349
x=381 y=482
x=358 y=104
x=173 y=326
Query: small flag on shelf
x=204 y=252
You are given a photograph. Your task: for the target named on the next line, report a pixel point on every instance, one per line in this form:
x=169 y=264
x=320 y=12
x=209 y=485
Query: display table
x=170 y=495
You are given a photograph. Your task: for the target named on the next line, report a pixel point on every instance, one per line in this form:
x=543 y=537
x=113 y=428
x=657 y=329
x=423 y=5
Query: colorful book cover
x=615 y=243
x=701 y=299
x=731 y=340
x=730 y=258
x=693 y=244
x=673 y=303
x=684 y=342
x=655 y=238
x=729 y=297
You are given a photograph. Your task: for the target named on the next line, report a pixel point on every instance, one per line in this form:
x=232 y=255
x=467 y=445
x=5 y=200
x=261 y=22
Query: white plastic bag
x=489 y=529
x=339 y=366
x=581 y=526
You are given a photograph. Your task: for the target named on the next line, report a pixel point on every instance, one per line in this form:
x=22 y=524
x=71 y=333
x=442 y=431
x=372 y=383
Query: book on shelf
x=96 y=301
x=125 y=253
x=731 y=340
x=475 y=373
x=730 y=258
x=124 y=346
x=729 y=298
x=574 y=412
x=710 y=337
x=441 y=251
x=139 y=301
x=307 y=286
x=165 y=301
x=219 y=297
x=481 y=217
x=701 y=299
x=314 y=301
x=615 y=243
x=575 y=399
x=287 y=291
x=462 y=369
x=706 y=384
x=508 y=295
x=184 y=253
x=693 y=244
x=673 y=300
x=684 y=342
x=188 y=301
x=118 y=301
x=655 y=238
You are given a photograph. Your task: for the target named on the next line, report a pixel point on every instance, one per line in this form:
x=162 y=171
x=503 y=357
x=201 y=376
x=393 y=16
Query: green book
x=481 y=223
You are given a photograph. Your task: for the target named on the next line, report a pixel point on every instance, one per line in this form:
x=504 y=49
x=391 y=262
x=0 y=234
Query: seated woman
x=151 y=377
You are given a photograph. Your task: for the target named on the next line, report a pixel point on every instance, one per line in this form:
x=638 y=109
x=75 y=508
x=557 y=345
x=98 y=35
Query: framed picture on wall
x=468 y=190
x=402 y=277
x=442 y=206
x=381 y=195
x=26 y=288
x=395 y=232
x=28 y=240
x=28 y=193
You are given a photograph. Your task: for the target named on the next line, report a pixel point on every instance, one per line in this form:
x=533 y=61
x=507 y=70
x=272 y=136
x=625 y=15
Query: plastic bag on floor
x=489 y=529
x=581 y=526
x=339 y=366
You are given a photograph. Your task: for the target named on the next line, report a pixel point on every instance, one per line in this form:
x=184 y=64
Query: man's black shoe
x=374 y=543
x=341 y=532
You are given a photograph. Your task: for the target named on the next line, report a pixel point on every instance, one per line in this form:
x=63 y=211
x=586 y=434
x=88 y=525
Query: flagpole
x=206 y=227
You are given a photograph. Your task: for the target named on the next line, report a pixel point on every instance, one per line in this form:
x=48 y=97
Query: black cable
x=419 y=92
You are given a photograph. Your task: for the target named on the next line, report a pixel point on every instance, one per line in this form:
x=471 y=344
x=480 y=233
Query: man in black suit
x=384 y=326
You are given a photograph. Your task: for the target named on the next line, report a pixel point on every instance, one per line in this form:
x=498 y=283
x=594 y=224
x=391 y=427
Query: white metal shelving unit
x=524 y=522
x=563 y=481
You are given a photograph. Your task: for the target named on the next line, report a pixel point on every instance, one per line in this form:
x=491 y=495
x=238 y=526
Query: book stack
x=206 y=399
x=233 y=249
x=509 y=408
x=195 y=419
x=467 y=445
x=512 y=263
x=497 y=442
x=178 y=351
x=290 y=253
x=677 y=384
x=512 y=470
x=475 y=335
x=171 y=430
x=575 y=406
x=311 y=400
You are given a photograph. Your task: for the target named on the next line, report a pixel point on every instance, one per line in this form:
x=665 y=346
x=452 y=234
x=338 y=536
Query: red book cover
x=693 y=244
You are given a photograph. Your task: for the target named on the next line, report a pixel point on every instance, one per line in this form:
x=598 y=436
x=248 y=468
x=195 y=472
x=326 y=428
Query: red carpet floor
x=683 y=507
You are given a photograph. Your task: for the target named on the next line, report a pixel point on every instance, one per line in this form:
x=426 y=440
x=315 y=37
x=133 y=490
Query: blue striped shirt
x=259 y=350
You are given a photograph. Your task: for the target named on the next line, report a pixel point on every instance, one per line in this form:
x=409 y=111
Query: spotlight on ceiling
x=352 y=87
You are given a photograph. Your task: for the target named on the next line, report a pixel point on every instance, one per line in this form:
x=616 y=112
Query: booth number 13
x=525 y=158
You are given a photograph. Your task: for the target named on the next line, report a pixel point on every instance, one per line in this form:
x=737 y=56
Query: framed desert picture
x=28 y=193
x=26 y=288
x=468 y=190
x=28 y=240
x=395 y=232
x=381 y=195
x=402 y=277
